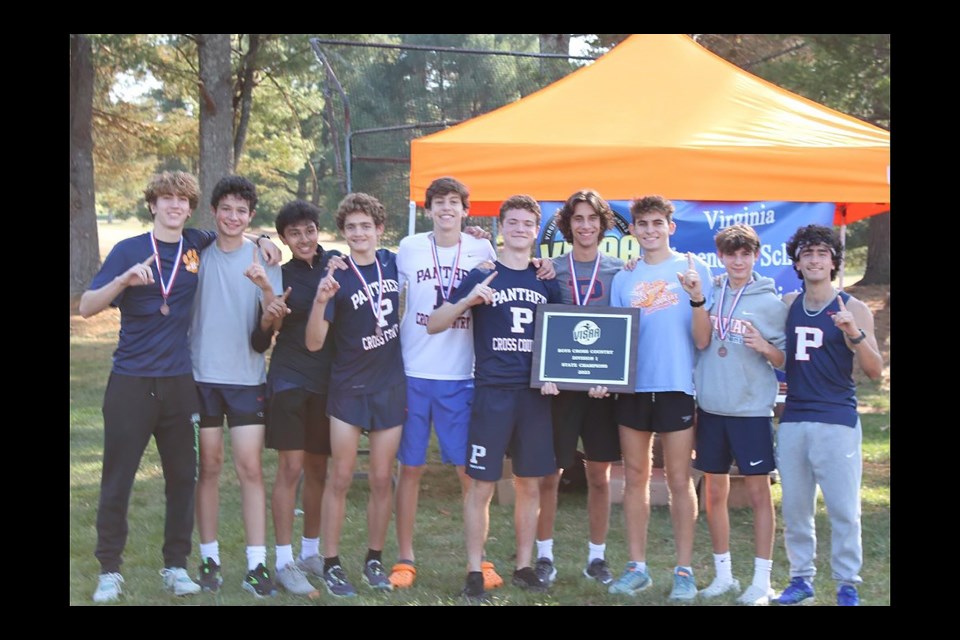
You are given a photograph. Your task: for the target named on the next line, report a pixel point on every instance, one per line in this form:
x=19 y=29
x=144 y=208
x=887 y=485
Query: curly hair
x=812 y=235
x=234 y=186
x=593 y=199
x=362 y=203
x=646 y=204
x=445 y=185
x=173 y=183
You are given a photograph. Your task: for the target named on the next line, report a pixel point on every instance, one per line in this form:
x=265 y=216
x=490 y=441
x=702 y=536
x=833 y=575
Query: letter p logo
x=476 y=451
x=807 y=337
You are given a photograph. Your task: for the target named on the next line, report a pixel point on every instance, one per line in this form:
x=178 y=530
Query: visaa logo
x=586 y=332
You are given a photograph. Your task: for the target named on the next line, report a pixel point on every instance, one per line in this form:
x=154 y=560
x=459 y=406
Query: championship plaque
x=582 y=347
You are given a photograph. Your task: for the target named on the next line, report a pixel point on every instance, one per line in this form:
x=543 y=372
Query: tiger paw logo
x=653 y=296
x=191 y=260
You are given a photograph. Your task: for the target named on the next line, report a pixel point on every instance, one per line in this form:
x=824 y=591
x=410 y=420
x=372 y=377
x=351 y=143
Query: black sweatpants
x=135 y=408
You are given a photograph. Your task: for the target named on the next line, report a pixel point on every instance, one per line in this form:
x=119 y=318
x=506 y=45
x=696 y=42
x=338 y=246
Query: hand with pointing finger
x=844 y=320
x=140 y=273
x=278 y=308
x=256 y=273
x=690 y=280
x=327 y=288
x=483 y=292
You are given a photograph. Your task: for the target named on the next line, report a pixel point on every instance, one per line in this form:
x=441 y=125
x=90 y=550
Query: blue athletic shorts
x=657 y=411
x=371 y=412
x=723 y=439
x=514 y=421
x=241 y=404
x=447 y=403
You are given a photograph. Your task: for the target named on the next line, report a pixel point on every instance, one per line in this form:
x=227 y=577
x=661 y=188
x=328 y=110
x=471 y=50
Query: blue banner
x=697 y=224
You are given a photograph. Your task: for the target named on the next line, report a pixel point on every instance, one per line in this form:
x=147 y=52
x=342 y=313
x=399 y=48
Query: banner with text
x=697 y=224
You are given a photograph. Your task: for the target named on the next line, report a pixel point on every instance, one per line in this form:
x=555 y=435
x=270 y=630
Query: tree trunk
x=552 y=69
x=216 y=116
x=248 y=66
x=84 y=242
x=878 y=251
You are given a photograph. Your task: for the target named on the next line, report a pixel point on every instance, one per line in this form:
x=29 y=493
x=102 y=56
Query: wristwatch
x=858 y=339
x=262 y=236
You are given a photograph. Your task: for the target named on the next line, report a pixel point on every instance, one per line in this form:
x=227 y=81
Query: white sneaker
x=719 y=587
x=177 y=581
x=756 y=596
x=108 y=588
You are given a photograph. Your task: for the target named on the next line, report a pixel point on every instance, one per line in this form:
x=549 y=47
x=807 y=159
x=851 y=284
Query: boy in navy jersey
x=359 y=310
x=152 y=279
x=507 y=415
x=818 y=442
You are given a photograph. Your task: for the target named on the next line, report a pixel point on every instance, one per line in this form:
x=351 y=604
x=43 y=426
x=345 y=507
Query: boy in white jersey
x=439 y=367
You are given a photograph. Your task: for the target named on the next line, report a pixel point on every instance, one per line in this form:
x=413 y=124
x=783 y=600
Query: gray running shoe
x=177 y=581
x=312 y=566
x=291 y=578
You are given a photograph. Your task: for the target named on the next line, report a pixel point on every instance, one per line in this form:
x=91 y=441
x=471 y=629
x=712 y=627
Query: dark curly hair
x=234 y=186
x=646 y=204
x=812 y=235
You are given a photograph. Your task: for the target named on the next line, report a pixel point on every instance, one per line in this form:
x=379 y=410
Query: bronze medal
x=164 y=309
x=722 y=351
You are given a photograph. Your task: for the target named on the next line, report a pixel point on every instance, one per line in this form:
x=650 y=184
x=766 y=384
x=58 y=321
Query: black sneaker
x=258 y=582
x=473 y=590
x=527 y=579
x=209 y=578
x=545 y=570
x=599 y=571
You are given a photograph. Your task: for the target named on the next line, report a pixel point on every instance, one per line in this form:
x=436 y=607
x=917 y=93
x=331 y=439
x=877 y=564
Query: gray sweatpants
x=811 y=454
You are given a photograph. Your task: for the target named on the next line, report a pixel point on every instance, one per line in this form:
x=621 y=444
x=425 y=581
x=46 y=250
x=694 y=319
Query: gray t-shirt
x=224 y=316
x=600 y=294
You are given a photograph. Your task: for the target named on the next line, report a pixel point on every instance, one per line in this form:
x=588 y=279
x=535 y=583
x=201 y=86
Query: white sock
x=284 y=555
x=210 y=550
x=724 y=567
x=596 y=551
x=309 y=547
x=256 y=555
x=545 y=549
x=641 y=565
x=761 y=573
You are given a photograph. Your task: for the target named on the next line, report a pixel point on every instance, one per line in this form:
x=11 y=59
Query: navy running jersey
x=153 y=344
x=292 y=365
x=503 y=331
x=820 y=386
x=367 y=339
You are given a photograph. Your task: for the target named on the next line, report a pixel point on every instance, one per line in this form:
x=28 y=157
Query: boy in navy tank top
x=818 y=442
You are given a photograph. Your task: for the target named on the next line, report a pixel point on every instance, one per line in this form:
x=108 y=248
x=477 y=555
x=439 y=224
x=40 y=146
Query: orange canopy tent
x=661 y=114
